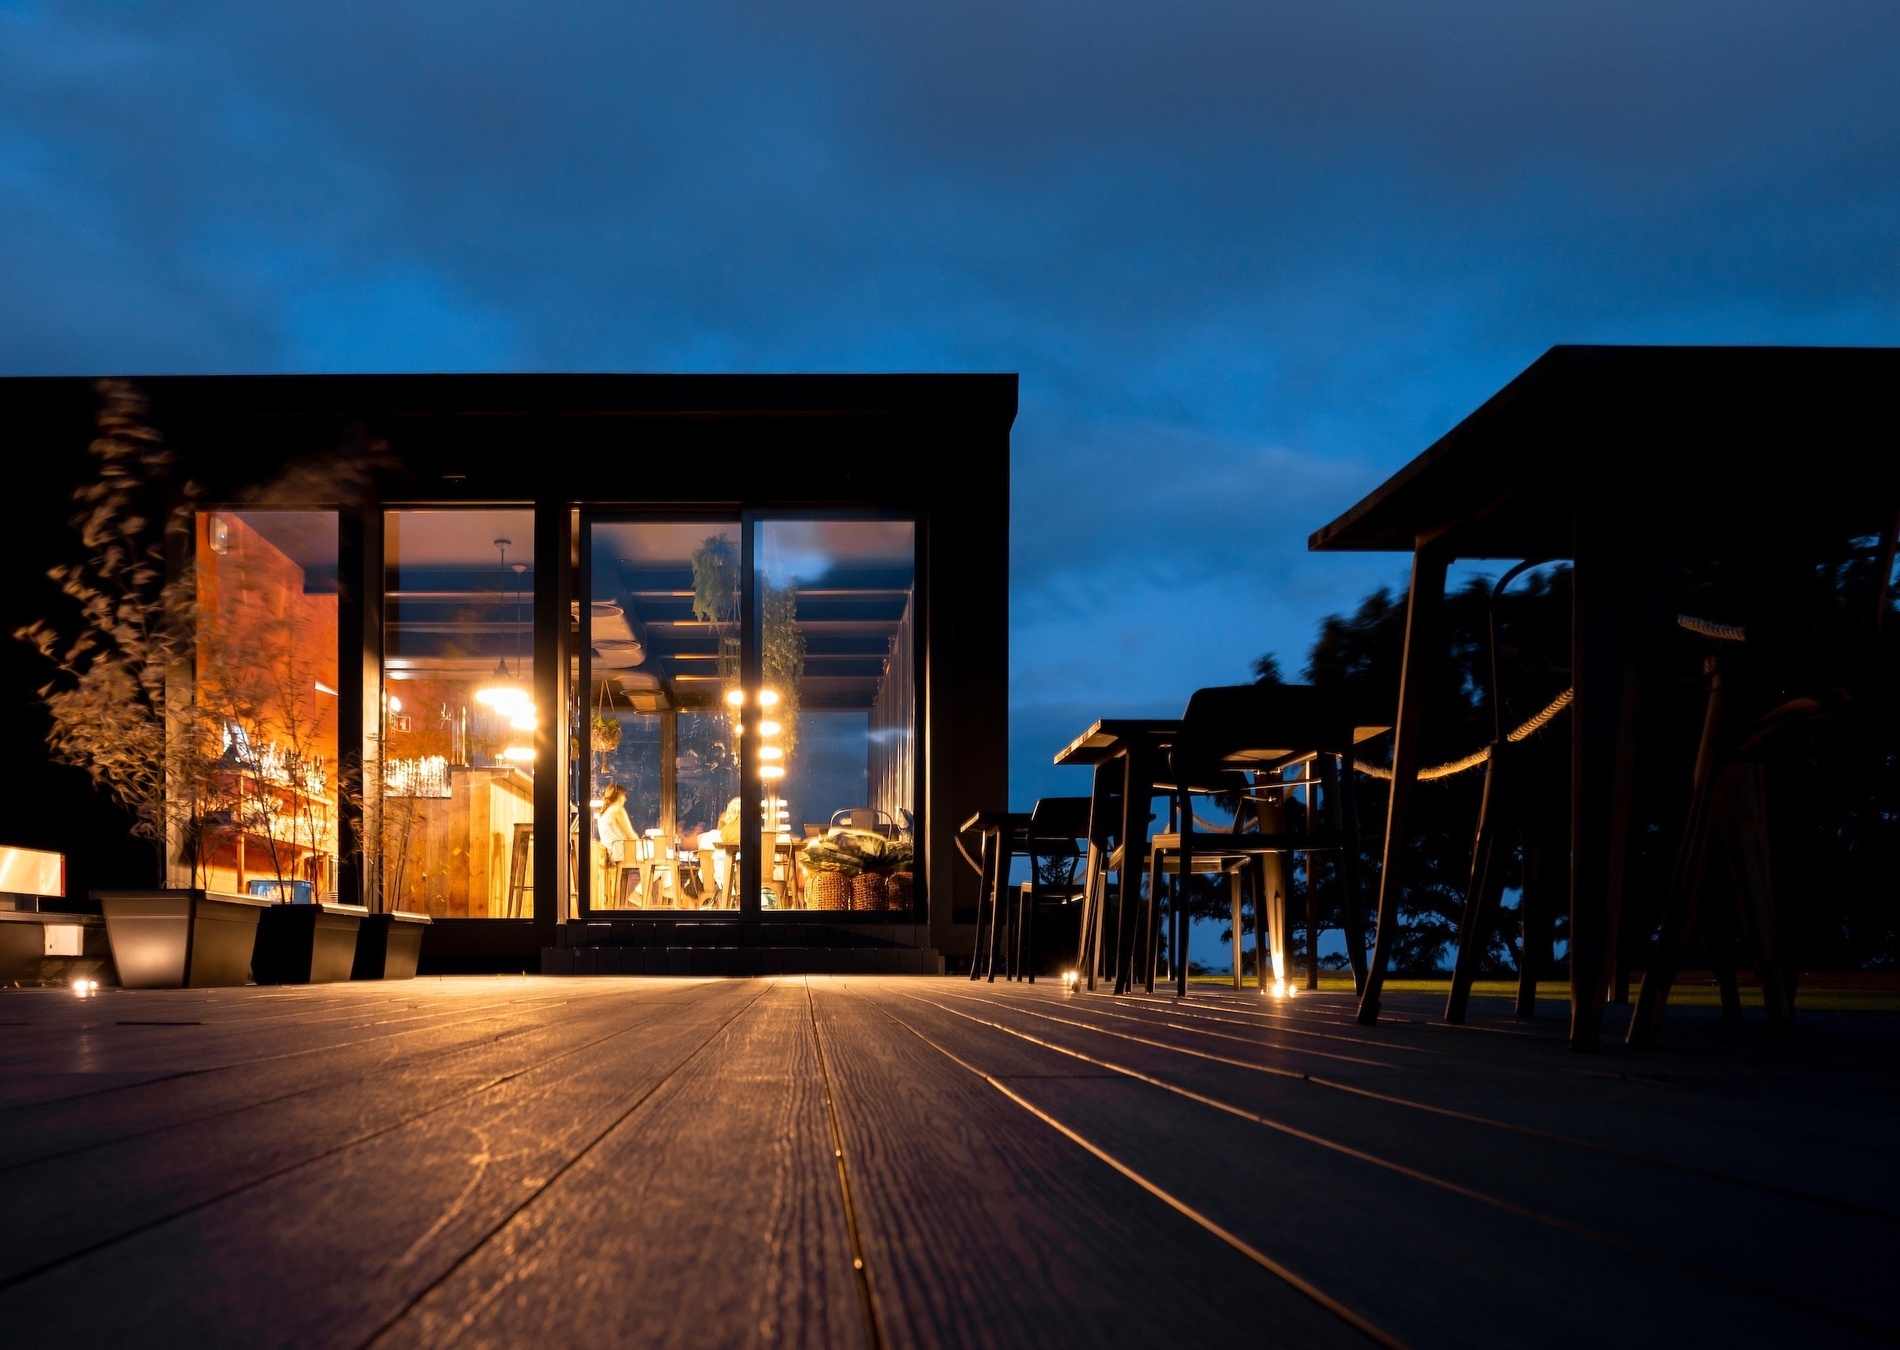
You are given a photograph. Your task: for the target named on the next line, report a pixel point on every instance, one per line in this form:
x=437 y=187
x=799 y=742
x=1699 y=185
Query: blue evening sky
x=1247 y=256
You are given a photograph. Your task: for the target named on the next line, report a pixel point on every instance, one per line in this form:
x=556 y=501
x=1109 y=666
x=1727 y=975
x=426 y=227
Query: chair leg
x=1185 y=878
x=1481 y=893
x=1339 y=790
x=1001 y=866
x=1152 y=954
x=1532 y=951
x=1750 y=867
x=1233 y=900
x=1262 y=936
x=1685 y=882
x=982 y=897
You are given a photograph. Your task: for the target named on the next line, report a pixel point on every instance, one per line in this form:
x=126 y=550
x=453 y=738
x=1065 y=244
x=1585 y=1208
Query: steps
x=741 y=947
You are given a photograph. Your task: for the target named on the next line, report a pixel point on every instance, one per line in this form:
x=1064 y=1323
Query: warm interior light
x=323 y=688
x=520 y=754
x=395 y=704
x=771 y=752
x=768 y=698
x=735 y=697
x=524 y=721
x=770 y=771
x=768 y=728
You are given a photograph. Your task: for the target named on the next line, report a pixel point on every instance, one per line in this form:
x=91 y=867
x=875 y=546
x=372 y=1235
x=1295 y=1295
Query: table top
x=1698 y=450
x=1109 y=737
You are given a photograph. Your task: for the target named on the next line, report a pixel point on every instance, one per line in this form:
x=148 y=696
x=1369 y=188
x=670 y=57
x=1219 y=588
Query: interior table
x=1629 y=462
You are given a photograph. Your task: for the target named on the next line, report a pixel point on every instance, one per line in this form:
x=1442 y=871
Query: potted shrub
x=859 y=870
x=121 y=712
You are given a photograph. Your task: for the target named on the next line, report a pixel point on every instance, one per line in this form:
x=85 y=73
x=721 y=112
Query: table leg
x=1134 y=846
x=1424 y=604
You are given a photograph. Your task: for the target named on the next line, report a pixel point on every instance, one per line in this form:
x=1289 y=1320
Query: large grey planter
x=306 y=944
x=388 y=946
x=170 y=939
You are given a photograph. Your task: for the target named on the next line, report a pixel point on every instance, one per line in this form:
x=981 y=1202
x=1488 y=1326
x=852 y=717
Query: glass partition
x=663 y=655
x=835 y=601
x=454 y=800
x=257 y=804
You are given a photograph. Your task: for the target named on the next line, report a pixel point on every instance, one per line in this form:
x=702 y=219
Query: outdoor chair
x=1778 y=676
x=1055 y=827
x=1235 y=741
x=1526 y=799
x=1005 y=836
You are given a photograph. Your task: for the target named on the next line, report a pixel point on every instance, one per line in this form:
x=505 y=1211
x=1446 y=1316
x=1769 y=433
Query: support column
x=359 y=684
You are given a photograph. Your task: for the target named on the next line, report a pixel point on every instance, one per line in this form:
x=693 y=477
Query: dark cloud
x=1248 y=257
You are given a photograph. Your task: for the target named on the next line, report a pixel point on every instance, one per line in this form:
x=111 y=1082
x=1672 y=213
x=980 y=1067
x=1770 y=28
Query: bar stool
x=1227 y=733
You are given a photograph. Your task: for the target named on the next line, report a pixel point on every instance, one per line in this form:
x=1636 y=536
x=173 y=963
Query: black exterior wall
x=935 y=446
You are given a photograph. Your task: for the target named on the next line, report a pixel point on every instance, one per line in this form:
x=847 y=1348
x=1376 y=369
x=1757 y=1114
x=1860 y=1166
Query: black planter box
x=306 y=944
x=171 y=939
x=388 y=946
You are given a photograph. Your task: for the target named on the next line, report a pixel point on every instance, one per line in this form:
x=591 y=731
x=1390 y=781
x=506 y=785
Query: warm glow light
x=1069 y=977
x=768 y=728
x=323 y=688
x=735 y=697
x=520 y=754
x=768 y=698
x=395 y=704
x=595 y=803
x=770 y=771
x=1279 y=989
x=771 y=752
x=84 y=987
x=524 y=721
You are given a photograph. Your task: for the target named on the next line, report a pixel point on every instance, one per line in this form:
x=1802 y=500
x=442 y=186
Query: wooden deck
x=831 y=1162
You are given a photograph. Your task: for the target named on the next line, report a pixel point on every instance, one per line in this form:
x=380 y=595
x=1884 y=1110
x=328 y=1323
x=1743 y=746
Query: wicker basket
x=869 y=891
x=898 y=893
x=828 y=890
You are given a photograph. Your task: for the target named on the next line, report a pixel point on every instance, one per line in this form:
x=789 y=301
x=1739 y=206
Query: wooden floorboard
x=509 y=1161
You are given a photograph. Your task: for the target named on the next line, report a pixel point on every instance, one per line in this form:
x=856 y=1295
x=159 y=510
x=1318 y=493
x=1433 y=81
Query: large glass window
x=454 y=815
x=663 y=652
x=837 y=749
x=258 y=797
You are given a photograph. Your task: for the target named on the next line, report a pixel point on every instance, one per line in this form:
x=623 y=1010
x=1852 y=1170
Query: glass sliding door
x=662 y=652
x=835 y=604
x=451 y=815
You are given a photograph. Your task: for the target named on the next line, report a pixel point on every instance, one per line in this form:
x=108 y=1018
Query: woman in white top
x=617 y=837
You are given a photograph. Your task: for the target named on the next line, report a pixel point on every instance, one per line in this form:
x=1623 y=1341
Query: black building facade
x=601 y=672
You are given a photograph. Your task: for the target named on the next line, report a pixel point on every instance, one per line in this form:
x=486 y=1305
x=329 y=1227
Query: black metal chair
x=1057 y=826
x=1235 y=740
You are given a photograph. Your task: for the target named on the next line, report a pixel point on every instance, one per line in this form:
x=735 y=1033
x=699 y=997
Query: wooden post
x=1424 y=603
x=1233 y=899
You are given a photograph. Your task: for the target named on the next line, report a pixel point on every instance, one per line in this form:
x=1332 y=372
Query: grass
x=1695 y=995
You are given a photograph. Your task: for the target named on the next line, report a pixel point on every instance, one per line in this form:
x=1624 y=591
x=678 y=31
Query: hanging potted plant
x=125 y=710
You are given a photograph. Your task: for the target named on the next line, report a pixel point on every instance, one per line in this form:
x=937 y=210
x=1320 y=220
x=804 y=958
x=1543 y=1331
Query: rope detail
x=1477 y=757
x=1721 y=632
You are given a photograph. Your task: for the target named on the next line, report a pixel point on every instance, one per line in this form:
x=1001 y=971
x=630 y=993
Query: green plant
x=122 y=701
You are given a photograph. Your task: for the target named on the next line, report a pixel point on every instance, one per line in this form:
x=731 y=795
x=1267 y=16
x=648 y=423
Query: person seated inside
x=617 y=843
x=709 y=849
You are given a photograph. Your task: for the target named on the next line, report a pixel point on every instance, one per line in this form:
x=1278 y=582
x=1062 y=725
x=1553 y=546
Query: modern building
x=601 y=672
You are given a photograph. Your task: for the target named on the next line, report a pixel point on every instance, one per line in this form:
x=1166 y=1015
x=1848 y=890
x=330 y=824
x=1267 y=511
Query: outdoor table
x=1135 y=749
x=1628 y=461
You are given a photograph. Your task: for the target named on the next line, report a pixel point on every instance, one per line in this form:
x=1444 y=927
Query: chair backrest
x=1056 y=818
x=865 y=818
x=1232 y=727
